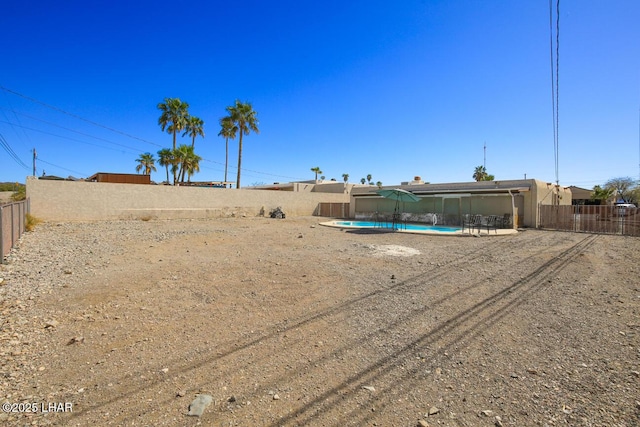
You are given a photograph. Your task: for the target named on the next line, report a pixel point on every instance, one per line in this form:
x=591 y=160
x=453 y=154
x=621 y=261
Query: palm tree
x=244 y=117
x=191 y=165
x=194 y=128
x=369 y=179
x=379 y=184
x=317 y=171
x=165 y=158
x=227 y=130
x=345 y=176
x=363 y=181
x=187 y=160
x=480 y=173
x=146 y=162
x=174 y=116
x=602 y=194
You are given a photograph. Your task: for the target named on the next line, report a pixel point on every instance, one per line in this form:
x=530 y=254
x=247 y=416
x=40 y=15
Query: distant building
x=582 y=196
x=120 y=178
x=516 y=199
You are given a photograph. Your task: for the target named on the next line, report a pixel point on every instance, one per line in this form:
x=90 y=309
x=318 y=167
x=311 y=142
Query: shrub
x=31 y=222
x=19 y=194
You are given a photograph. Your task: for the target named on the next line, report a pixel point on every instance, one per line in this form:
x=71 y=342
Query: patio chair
x=471 y=221
x=491 y=222
x=505 y=221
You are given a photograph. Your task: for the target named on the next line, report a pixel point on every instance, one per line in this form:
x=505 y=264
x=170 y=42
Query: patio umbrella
x=398 y=195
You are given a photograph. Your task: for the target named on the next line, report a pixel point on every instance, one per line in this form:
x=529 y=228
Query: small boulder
x=199 y=404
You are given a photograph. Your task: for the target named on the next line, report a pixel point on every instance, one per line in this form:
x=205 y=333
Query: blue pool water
x=413 y=227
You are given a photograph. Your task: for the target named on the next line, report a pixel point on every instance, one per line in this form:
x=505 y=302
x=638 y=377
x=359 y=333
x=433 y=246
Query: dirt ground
x=289 y=323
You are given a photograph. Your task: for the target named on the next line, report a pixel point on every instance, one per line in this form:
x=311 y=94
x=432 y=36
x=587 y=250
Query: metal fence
x=13 y=217
x=333 y=210
x=591 y=219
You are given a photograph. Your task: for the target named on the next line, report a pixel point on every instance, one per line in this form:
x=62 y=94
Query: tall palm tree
x=480 y=173
x=227 y=130
x=194 y=128
x=317 y=171
x=363 y=181
x=345 y=176
x=244 y=117
x=174 y=116
x=165 y=158
x=146 y=162
x=369 y=179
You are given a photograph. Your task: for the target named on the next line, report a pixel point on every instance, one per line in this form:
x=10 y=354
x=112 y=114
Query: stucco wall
x=85 y=201
x=546 y=194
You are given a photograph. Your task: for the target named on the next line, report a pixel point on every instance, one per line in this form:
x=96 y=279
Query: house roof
x=480 y=187
x=578 y=193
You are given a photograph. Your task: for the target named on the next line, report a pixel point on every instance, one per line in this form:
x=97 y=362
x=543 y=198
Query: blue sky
x=391 y=89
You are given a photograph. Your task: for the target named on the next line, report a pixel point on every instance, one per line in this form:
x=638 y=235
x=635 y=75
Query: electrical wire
x=7 y=90
x=64 y=128
x=555 y=83
x=76 y=116
x=63 y=168
x=5 y=144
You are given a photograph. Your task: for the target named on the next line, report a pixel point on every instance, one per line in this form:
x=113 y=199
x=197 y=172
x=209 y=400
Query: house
x=519 y=199
x=582 y=196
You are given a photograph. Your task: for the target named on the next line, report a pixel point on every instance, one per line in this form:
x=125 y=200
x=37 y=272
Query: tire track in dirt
x=463 y=325
x=325 y=318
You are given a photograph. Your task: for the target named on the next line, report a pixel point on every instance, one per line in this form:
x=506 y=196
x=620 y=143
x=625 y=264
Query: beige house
x=582 y=196
x=519 y=199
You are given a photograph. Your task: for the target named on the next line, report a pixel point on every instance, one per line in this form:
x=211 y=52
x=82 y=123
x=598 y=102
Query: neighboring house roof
x=121 y=178
x=578 y=193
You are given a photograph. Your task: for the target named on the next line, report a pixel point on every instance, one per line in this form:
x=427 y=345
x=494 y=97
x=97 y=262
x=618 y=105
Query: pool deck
x=482 y=232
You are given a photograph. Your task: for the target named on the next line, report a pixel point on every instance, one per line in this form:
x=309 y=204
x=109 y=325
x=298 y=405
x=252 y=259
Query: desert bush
x=19 y=194
x=31 y=222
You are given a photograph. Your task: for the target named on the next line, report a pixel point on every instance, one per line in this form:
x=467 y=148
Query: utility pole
x=35 y=155
x=484 y=163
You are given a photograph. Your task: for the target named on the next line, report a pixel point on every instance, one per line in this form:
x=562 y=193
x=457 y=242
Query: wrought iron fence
x=13 y=217
x=591 y=219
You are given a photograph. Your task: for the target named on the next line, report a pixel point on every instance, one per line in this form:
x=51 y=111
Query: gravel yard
x=289 y=323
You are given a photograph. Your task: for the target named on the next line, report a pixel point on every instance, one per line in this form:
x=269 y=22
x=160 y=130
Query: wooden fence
x=333 y=210
x=591 y=219
x=12 y=225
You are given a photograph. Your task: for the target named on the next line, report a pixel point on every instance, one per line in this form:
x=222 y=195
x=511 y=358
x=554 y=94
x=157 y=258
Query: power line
x=5 y=144
x=104 y=127
x=76 y=116
x=16 y=117
x=76 y=140
x=555 y=84
x=60 y=167
x=64 y=128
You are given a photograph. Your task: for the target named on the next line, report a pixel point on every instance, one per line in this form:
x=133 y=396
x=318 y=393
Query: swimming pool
x=388 y=225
